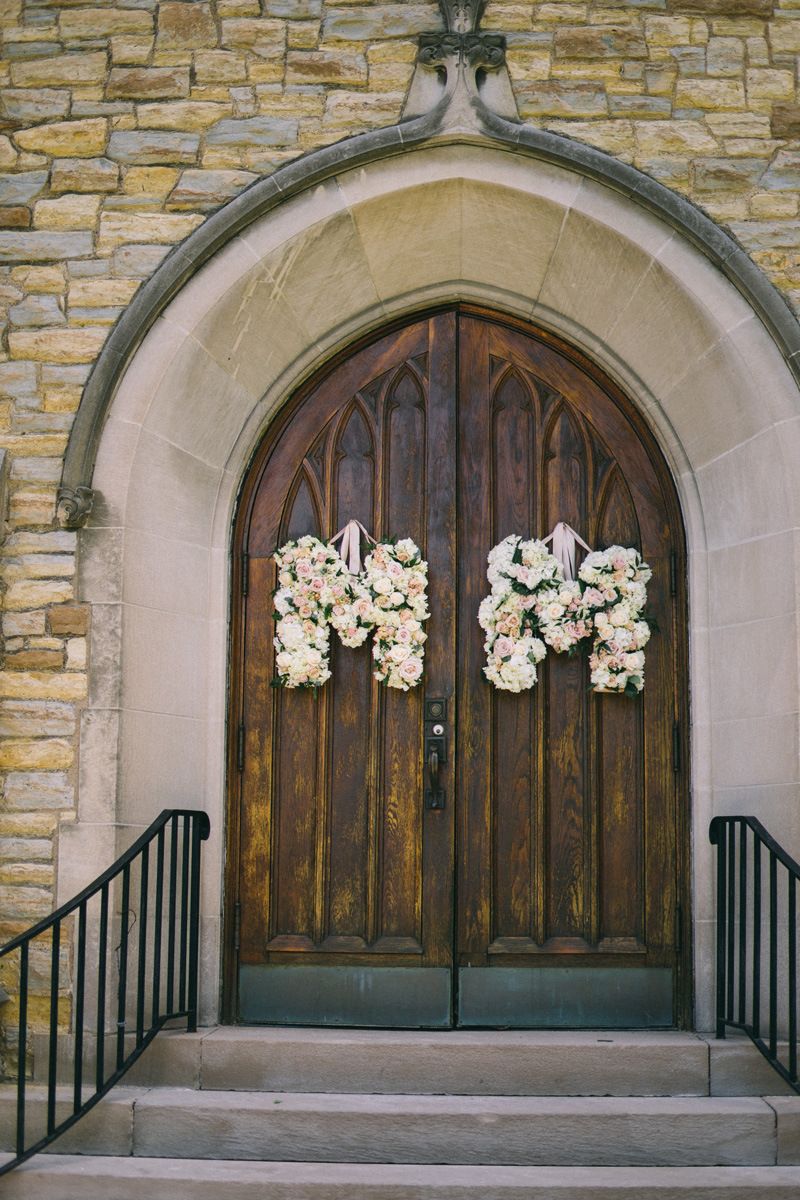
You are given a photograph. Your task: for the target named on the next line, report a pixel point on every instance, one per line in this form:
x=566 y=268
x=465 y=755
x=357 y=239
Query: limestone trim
x=479 y=127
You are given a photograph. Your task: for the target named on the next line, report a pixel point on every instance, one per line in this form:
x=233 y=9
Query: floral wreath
x=317 y=589
x=535 y=603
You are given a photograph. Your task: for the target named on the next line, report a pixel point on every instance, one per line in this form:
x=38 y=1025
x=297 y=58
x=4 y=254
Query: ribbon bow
x=350 y=549
x=564 y=538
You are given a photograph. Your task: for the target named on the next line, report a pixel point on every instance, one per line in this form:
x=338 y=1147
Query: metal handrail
x=739 y=957
x=172 y=979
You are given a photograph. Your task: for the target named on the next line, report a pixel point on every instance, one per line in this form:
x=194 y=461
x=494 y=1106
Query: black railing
x=757 y=940
x=139 y=922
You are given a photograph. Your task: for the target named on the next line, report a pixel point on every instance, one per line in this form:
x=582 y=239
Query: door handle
x=434 y=752
x=433 y=772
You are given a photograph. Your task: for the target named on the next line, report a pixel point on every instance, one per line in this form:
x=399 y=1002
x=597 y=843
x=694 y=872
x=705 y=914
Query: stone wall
x=122 y=125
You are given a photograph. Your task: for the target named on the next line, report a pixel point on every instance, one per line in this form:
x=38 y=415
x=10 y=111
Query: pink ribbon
x=564 y=538
x=350 y=549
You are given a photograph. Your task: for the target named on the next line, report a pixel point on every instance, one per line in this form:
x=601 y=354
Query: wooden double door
x=548 y=889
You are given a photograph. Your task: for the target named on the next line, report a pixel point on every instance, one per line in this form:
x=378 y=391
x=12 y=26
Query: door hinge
x=240 y=747
x=673 y=573
x=237 y=924
x=676 y=746
x=678 y=928
x=245 y=572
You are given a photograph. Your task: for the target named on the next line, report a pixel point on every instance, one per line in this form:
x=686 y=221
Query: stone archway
x=442 y=222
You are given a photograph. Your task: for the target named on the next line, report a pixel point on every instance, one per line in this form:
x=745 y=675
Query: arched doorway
x=551 y=888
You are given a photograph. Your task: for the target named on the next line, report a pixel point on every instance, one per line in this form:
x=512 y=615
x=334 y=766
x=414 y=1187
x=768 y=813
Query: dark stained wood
x=564 y=837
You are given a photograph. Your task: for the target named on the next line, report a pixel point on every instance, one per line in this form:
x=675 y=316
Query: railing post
x=194 y=929
x=719 y=834
x=22 y=1045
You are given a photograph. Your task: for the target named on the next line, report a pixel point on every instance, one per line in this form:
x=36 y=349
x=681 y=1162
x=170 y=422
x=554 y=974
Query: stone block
x=725 y=8
x=99 y=293
x=40 y=279
x=183 y=115
x=785 y=121
x=787 y=1117
x=185 y=26
x=93 y=23
x=141 y=83
x=601 y=41
x=596 y=1131
x=766 y=205
x=728 y=174
x=68 y=620
x=57 y=345
x=26 y=593
x=325 y=66
x=254 y=131
x=37 y=310
x=769 y=85
x=150 y=148
x=724 y=56
x=293 y=10
x=84 y=175
x=615 y=137
x=43 y=754
x=31 y=506
x=783 y=173
x=22 y=849
x=639 y=106
x=15 y=218
x=149 y=181
x=130 y=51
x=22 y=188
x=119 y=228
x=366 y=24
x=667 y=31
x=17 y=379
x=36 y=718
x=709 y=93
x=33 y=104
x=202 y=190
x=682 y=139
x=784 y=36
x=139 y=261
x=555 y=98
x=219 y=66
x=76 y=654
x=42 y=247
x=67 y=70
x=32 y=790
x=68 y=212
x=264 y=39
x=67 y=138
x=26 y=903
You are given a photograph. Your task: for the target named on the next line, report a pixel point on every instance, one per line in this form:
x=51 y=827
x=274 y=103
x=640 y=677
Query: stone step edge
x=254 y=1058
x=78 y=1177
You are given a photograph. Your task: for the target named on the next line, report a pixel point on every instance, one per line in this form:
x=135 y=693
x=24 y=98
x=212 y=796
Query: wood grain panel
x=513 y=448
x=564 y=490
x=344 y=803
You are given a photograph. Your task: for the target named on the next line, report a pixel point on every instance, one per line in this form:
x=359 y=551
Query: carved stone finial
x=74 y=505
x=462 y=16
x=461 y=77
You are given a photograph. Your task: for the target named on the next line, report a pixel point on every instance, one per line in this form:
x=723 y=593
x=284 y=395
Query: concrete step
x=76 y=1178
x=458 y=1062
x=467 y=1130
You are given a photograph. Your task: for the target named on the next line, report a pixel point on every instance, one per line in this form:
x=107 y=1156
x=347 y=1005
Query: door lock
x=434 y=750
